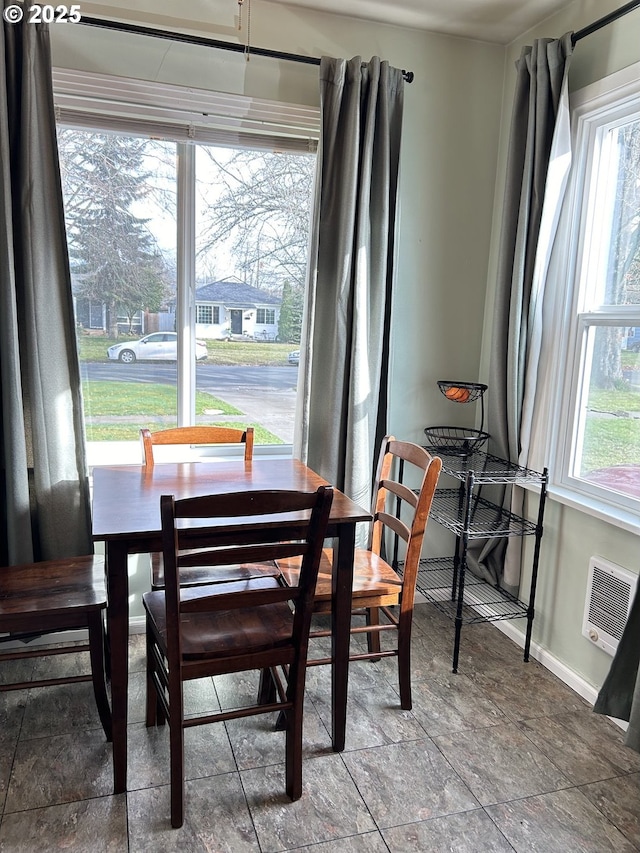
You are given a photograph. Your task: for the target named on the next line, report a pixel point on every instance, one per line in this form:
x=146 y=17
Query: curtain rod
x=207 y=42
x=602 y=22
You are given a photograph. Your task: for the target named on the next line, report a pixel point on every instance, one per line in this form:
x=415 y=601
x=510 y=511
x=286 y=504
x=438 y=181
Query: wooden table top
x=126 y=498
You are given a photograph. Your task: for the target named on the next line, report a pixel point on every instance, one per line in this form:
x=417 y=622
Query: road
x=209 y=377
x=265 y=395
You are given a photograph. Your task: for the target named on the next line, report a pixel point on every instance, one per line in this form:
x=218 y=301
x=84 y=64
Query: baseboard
x=137 y=625
x=559 y=669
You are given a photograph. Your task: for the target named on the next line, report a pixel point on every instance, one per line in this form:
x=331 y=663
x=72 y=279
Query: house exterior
x=92 y=316
x=230 y=308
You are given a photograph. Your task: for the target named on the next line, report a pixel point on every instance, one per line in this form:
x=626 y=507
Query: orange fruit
x=460 y=395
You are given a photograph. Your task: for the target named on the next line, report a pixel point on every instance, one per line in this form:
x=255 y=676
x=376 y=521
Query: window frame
x=595 y=110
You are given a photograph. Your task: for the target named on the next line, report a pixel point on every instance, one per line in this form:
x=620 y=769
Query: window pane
x=616 y=220
x=251 y=252
x=120 y=201
x=608 y=446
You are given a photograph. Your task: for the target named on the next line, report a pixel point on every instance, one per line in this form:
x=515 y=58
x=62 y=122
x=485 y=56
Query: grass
x=131 y=431
x=614 y=401
x=246 y=353
x=610 y=441
x=103 y=398
x=145 y=405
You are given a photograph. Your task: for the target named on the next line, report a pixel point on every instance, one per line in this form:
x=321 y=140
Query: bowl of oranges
x=461 y=392
x=453 y=440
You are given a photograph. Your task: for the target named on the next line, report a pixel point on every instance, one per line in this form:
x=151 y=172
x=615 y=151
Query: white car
x=158 y=346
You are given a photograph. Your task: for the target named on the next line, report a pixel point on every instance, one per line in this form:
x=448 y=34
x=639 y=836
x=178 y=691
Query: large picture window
x=172 y=245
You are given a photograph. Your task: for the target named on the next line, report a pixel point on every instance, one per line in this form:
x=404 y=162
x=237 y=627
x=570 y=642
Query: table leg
x=118 y=632
x=342 y=583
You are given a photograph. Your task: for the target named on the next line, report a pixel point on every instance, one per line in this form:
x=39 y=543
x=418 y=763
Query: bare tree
x=622 y=286
x=259 y=203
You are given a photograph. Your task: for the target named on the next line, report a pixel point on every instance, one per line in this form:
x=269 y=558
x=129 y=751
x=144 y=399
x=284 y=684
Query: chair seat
x=53 y=596
x=225 y=633
x=55 y=587
x=372 y=577
x=194 y=575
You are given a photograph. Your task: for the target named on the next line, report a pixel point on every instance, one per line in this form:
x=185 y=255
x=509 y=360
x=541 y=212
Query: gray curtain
x=620 y=694
x=44 y=495
x=342 y=385
x=541 y=76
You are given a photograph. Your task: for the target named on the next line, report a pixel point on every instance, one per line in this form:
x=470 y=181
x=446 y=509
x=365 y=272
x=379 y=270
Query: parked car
x=294 y=357
x=158 y=346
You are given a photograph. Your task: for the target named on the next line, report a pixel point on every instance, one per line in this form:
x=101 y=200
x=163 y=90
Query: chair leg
x=96 y=654
x=373 y=638
x=404 y=666
x=267 y=688
x=151 y=716
x=176 y=747
x=293 y=737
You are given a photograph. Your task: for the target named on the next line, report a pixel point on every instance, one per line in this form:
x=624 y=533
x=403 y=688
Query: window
x=266 y=316
x=598 y=411
x=178 y=225
x=208 y=314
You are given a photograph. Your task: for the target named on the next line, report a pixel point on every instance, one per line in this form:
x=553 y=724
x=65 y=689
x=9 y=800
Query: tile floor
x=500 y=757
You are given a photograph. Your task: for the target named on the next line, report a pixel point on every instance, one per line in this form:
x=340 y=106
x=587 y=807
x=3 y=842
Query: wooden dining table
x=126 y=517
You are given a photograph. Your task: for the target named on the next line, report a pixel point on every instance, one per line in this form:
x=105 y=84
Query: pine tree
x=113 y=255
x=290 y=322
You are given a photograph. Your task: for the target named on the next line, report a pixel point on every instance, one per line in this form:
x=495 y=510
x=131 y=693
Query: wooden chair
x=201 y=435
x=400 y=511
x=193 y=632
x=53 y=596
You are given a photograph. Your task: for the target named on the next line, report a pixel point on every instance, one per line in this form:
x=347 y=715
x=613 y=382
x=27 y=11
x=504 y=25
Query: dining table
x=126 y=518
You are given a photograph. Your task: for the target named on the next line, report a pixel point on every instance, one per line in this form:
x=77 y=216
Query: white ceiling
x=489 y=20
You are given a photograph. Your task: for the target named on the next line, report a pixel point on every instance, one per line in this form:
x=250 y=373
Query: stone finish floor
x=500 y=757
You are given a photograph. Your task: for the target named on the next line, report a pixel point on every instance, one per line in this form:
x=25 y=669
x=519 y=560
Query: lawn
x=613 y=439
x=247 y=353
x=116 y=411
x=610 y=441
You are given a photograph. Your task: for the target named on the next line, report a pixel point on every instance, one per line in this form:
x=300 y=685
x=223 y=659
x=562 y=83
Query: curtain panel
x=537 y=168
x=342 y=386
x=619 y=696
x=44 y=494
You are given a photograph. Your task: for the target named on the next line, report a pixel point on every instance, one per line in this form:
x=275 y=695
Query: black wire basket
x=455 y=441
x=461 y=392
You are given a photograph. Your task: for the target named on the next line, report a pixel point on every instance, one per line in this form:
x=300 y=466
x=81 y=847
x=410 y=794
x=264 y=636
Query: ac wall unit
x=610 y=592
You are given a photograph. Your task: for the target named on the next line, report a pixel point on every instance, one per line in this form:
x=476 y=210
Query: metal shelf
x=482 y=602
x=445 y=581
x=487 y=520
x=487 y=468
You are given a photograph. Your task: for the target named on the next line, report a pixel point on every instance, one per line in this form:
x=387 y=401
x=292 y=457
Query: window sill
x=613 y=515
x=130 y=453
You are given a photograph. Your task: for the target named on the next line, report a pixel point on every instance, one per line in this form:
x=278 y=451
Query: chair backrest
x=250 y=527
x=400 y=508
x=196 y=435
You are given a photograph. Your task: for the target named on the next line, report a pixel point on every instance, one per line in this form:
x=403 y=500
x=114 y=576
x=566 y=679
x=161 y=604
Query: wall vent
x=610 y=592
